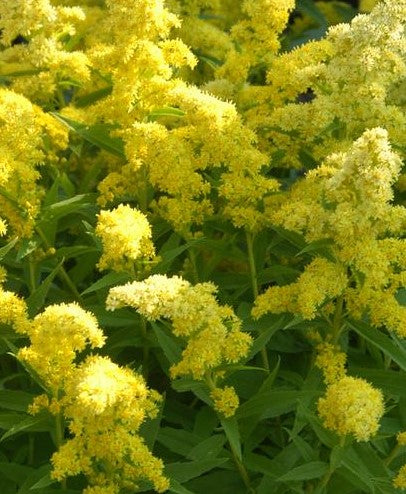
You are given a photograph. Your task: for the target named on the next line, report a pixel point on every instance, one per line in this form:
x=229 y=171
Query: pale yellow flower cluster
x=255 y=40
x=126 y=236
x=348 y=200
x=212 y=332
x=349 y=87
x=352 y=406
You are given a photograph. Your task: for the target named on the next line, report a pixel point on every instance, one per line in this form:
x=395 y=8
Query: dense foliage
x=203 y=257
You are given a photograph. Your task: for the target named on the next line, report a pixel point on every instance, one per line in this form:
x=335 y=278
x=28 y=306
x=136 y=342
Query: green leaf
x=15 y=400
x=321 y=246
x=26 y=247
x=311 y=470
x=168 y=111
x=213 y=62
x=177 y=440
x=37 y=298
x=150 y=428
x=309 y=8
x=209 y=448
x=271 y=403
x=381 y=341
x=75 y=251
x=98 y=135
x=44 y=481
x=15 y=472
x=391 y=382
x=6 y=249
x=90 y=98
x=270 y=328
x=178 y=489
x=182 y=472
x=168 y=256
x=230 y=427
x=292 y=237
x=60 y=209
x=36 y=424
x=171 y=349
x=107 y=281
x=198 y=388
x=9 y=420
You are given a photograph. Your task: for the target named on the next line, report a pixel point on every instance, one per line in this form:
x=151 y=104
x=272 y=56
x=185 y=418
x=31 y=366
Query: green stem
x=192 y=257
x=337 y=320
x=143 y=193
x=59 y=438
x=31 y=445
x=327 y=476
x=251 y=260
x=62 y=274
x=254 y=283
x=32 y=274
x=392 y=455
x=238 y=463
x=145 y=348
x=241 y=469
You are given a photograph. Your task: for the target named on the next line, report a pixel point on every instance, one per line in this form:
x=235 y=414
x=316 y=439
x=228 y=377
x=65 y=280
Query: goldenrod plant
x=202 y=246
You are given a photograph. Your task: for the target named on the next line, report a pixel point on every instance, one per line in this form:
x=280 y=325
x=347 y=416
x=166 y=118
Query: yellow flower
x=320 y=281
x=401 y=438
x=56 y=336
x=212 y=332
x=225 y=400
x=352 y=406
x=105 y=405
x=331 y=361
x=400 y=480
x=348 y=200
x=126 y=236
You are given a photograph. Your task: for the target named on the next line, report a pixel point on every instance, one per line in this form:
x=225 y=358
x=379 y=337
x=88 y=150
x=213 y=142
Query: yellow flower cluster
x=321 y=281
x=348 y=200
x=126 y=236
x=349 y=88
x=176 y=135
x=255 y=37
x=212 y=332
x=352 y=406
x=57 y=334
x=400 y=480
x=225 y=400
x=46 y=57
x=401 y=438
x=13 y=311
x=331 y=360
x=105 y=405
x=24 y=128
